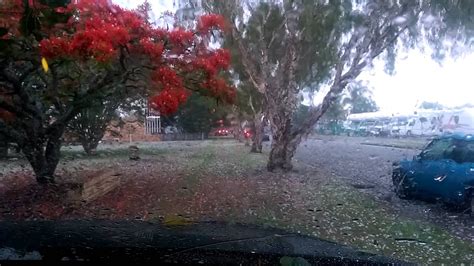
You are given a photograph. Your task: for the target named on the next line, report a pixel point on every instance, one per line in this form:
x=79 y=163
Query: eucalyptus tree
x=289 y=46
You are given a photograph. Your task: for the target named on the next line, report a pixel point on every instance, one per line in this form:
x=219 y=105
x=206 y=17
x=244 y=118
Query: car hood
x=42 y=238
x=404 y=164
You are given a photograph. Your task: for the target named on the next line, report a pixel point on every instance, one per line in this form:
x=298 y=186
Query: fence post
x=184 y=136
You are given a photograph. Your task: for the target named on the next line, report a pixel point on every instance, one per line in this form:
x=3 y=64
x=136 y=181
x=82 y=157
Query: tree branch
x=26 y=101
x=370 y=45
x=250 y=69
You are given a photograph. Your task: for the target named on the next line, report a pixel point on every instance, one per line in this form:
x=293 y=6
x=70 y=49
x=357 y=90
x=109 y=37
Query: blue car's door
x=425 y=178
x=429 y=169
x=460 y=176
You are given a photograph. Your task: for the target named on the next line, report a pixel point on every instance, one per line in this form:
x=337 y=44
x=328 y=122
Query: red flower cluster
x=172 y=94
x=54 y=47
x=220 y=59
x=210 y=22
x=181 y=37
x=219 y=88
x=168 y=78
x=154 y=50
x=214 y=62
x=99 y=30
x=168 y=100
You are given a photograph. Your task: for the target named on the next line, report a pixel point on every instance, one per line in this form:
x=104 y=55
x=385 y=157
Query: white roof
x=415 y=113
x=371 y=115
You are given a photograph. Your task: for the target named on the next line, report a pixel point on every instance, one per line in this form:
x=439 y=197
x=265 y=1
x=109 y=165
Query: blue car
x=443 y=171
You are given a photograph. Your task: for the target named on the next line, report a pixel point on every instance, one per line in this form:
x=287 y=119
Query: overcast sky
x=418 y=78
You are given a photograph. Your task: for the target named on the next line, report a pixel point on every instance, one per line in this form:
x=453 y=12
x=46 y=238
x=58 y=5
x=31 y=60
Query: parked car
x=351 y=128
x=248 y=133
x=222 y=132
x=443 y=171
x=381 y=128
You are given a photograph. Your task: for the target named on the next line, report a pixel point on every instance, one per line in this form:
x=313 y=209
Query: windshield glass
x=438 y=149
x=462 y=151
x=253 y=128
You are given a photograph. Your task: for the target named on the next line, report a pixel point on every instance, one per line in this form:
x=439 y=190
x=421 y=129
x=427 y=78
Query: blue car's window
x=462 y=152
x=438 y=149
x=469 y=155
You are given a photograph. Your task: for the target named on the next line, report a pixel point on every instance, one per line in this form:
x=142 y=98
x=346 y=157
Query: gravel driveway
x=368 y=168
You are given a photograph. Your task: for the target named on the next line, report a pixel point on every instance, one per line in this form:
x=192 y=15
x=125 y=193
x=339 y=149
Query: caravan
x=364 y=124
x=459 y=121
x=438 y=122
x=416 y=126
x=421 y=122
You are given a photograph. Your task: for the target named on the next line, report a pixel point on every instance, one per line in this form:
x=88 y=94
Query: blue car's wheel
x=469 y=206
x=472 y=205
x=466 y=206
x=399 y=184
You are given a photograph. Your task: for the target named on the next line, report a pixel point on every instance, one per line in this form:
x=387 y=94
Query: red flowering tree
x=65 y=57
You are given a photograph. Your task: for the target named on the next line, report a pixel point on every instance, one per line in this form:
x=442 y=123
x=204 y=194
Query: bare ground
x=184 y=182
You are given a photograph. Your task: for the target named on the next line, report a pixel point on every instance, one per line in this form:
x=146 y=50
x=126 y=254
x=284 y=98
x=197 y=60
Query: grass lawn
x=184 y=182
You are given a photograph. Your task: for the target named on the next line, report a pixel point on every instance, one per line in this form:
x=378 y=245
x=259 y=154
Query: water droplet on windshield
x=429 y=19
x=399 y=20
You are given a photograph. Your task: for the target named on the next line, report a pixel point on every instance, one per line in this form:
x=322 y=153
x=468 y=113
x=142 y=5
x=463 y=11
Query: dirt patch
x=99 y=185
x=33 y=201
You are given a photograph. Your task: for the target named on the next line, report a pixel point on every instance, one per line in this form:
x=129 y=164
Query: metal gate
x=152 y=125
